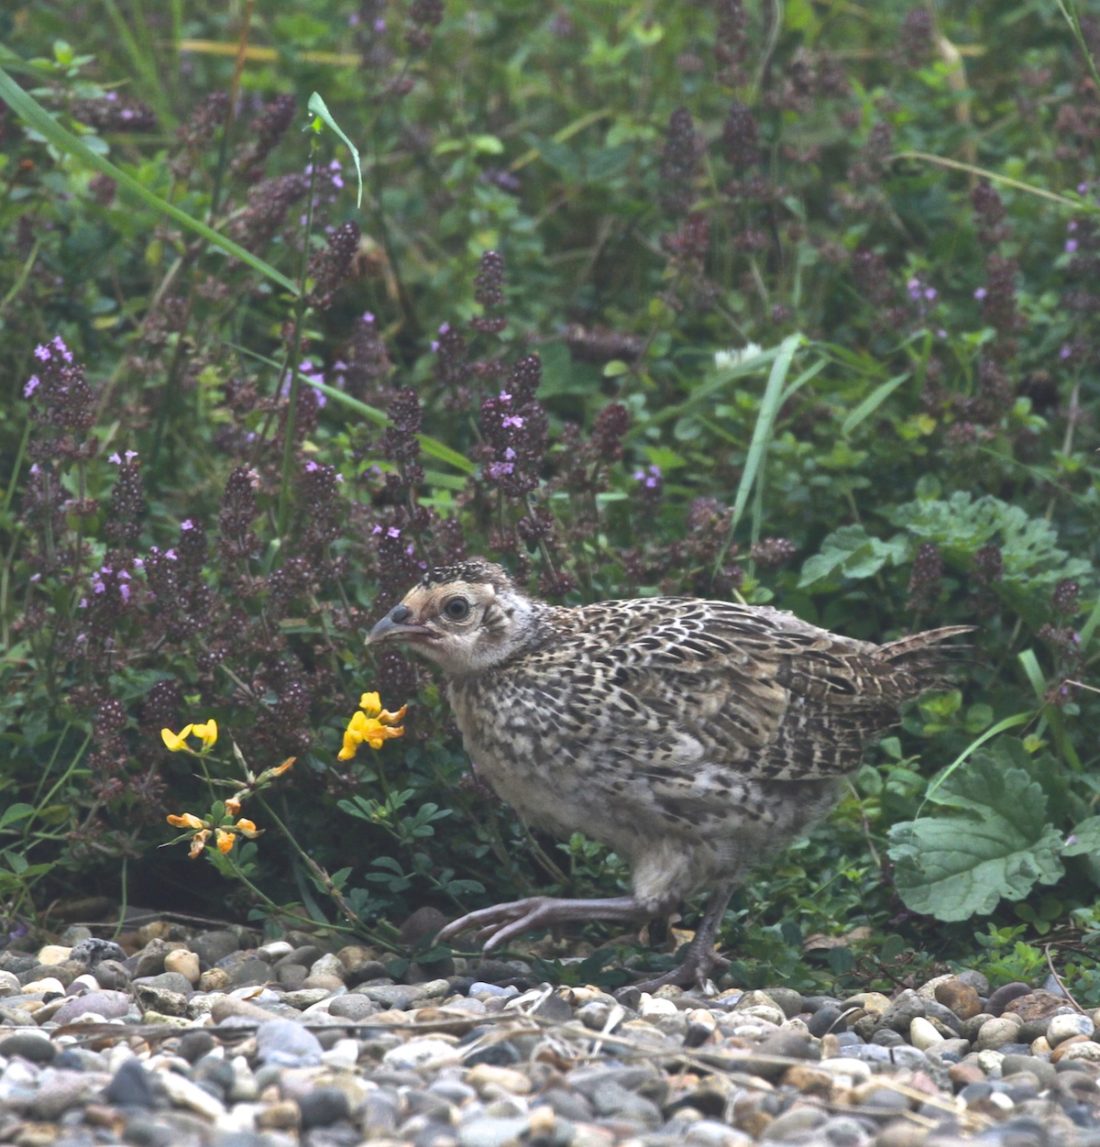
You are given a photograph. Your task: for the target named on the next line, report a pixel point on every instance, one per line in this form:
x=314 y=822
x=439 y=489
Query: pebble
x=291 y=1042
x=1063 y=1027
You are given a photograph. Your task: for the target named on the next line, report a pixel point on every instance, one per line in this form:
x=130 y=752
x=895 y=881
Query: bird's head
x=466 y=618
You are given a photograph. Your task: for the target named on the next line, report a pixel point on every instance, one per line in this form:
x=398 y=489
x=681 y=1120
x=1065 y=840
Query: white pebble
x=183 y=1093
x=1062 y=1027
x=846 y=1070
x=45 y=986
x=344 y=1054
x=53 y=954
x=656 y=1006
x=922 y=1034
x=426 y=1052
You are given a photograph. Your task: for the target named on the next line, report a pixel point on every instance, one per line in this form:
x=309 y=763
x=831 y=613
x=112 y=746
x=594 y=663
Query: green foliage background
x=812 y=299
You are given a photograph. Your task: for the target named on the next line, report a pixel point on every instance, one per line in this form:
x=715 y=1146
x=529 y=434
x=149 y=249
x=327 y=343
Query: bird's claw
x=693 y=971
x=500 y=922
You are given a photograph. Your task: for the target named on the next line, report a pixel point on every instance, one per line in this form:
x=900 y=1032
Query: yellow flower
x=186 y=820
x=371 y=704
x=247 y=828
x=206 y=731
x=198 y=843
x=372 y=724
x=225 y=838
x=176 y=742
x=278 y=770
x=232 y=806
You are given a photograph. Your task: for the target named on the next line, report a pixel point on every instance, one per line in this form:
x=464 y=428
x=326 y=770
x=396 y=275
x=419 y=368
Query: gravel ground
x=177 y=1039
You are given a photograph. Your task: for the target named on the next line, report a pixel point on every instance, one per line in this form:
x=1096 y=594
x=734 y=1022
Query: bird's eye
x=456 y=609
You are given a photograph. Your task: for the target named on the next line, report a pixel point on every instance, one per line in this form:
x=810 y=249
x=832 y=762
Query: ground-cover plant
x=799 y=306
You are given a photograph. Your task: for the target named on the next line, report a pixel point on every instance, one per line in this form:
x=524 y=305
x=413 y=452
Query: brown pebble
x=422 y=925
x=901 y=1133
x=488 y=1078
x=809 y=1079
x=749 y=1114
x=101 y=1115
x=1037 y=1005
x=1060 y=1051
x=1082 y=1051
x=214 y=980
x=282 y=1115
x=962 y=1074
x=961 y=998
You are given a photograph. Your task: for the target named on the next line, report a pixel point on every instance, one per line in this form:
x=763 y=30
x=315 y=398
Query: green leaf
x=871 y=403
x=1085 y=838
x=15 y=812
x=319 y=108
x=997 y=843
x=853 y=552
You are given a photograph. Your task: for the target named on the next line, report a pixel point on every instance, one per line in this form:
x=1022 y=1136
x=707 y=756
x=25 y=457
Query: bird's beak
x=395 y=626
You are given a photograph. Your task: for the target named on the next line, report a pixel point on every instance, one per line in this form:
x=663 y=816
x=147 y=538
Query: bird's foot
x=693 y=971
x=503 y=922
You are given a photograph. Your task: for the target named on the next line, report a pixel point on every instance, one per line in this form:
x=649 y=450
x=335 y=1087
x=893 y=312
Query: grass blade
x=32 y=113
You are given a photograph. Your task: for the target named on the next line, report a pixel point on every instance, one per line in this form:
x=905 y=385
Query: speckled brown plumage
x=693 y=737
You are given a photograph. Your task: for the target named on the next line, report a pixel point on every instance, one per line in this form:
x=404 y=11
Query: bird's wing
x=688 y=695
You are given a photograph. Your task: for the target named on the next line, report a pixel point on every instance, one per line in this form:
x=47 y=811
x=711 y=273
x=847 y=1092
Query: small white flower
x=736 y=356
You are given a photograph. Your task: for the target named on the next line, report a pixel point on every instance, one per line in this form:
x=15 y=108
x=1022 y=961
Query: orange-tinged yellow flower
x=371 y=704
x=372 y=724
x=225 y=838
x=278 y=770
x=247 y=828
x=186 y=820
x=198 y=843
x=232 y=806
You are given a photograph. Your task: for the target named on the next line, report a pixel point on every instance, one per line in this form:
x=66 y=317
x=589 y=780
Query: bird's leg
x=694 y=969
x=504 y=922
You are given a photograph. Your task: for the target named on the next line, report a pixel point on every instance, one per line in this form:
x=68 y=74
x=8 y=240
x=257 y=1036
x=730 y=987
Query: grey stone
x=131 y=1086
x=59 y=1090
x=150 y=960
x=92 y=951
x=903 y=1009
x=398 y=996
x=322 y=1107
x=248 y=971
x=485 y=1131
x=112 y=974
x=163 y=1001
x=711 y=1133
x=353 y=1006
x=1004 y=995
x=109 y=1005
x=29 y=1045
x=611 y=1098
x=193 y=1045
x=795 y=1122
x=166 y=981
x=212 y=947
x=287 y=1044
x=1038 y=1066
x=825 y=1019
